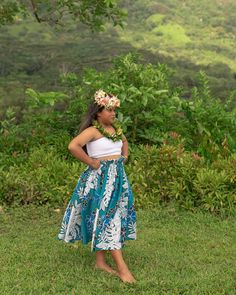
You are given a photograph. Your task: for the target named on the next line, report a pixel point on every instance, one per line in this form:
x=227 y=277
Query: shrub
x=158 y=176
x=170 y=173
x=181 y=150
x=150 y=110
x=212 y=190
x=44 y=179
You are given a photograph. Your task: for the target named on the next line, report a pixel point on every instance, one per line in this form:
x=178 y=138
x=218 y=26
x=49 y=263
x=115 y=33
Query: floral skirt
x=101 y=209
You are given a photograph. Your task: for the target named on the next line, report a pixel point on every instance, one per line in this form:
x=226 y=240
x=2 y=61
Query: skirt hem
x=94 y=249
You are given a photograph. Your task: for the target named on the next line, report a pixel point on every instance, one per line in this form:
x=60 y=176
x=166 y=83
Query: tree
x=93 y=13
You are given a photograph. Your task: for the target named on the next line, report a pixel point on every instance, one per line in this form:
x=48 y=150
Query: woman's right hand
x=95 y=163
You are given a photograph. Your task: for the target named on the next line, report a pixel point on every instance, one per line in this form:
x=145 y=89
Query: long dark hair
x=90 y=115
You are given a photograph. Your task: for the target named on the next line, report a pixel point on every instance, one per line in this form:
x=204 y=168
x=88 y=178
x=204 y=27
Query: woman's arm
x=125 y=148
x=75 y=147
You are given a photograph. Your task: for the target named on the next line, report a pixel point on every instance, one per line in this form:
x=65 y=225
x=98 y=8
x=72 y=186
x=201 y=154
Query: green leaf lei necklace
x=114 y=137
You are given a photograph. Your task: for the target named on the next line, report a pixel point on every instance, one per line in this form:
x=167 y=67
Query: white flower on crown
x=103 y=99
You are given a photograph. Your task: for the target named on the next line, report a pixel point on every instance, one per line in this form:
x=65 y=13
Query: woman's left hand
x=125 y=159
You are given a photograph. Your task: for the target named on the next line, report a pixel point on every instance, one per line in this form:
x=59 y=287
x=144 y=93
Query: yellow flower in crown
x=106 y=100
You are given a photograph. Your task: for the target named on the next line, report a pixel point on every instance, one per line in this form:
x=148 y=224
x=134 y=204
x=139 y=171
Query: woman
x=101 y=209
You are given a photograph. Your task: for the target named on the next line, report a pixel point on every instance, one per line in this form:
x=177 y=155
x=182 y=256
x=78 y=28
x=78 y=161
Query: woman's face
x=107 y=116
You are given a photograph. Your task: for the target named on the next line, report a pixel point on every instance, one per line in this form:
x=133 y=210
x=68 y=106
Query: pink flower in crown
x=103 y=99
x=116 y=101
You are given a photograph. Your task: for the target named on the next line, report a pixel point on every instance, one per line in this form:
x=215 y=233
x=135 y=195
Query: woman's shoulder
x=92 y=132
x=91 y=129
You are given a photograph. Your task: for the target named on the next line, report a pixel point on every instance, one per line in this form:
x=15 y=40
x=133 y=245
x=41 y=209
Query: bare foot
x=126 y=276
x=106 y=267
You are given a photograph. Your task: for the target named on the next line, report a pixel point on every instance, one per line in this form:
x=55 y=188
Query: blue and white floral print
x=101 y=209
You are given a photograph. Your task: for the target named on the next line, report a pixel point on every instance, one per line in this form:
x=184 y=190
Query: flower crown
x=106 y=100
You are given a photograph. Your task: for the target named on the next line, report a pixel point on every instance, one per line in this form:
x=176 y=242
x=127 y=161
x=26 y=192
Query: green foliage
x=143 y=90
x=9 y=10
x=36 y=99
x=43 y=179
x=172 y=174
x=46 y=52
x=212 y=188
x=181 y=150
x=41 y=127
x=9 y=122
x=151 y=111
x=172 y=33
x=92 y=13
x=154 y=20
x=151 y=108
x=184 y=23
x=158 y=176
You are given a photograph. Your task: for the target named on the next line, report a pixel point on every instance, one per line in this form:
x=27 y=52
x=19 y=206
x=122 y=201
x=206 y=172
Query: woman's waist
x=108 y=157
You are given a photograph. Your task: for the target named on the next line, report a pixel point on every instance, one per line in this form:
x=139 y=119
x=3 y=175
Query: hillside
x=187 y=35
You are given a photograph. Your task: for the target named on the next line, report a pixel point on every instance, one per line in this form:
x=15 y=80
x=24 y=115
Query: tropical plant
x=93 y=13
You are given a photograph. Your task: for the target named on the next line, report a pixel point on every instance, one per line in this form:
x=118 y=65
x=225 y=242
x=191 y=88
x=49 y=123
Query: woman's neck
x=104 y=125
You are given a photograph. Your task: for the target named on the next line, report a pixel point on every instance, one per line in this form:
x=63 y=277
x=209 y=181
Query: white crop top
x=103 y=147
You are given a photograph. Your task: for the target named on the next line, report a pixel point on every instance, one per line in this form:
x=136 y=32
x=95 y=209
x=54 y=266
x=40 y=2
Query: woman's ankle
x=122 y=268
x=100 y=262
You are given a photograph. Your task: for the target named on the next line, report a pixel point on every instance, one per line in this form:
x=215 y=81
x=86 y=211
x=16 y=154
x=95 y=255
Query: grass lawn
x=176 y=252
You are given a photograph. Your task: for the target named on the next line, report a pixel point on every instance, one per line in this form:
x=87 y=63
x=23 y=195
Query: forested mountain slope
x=187 y=35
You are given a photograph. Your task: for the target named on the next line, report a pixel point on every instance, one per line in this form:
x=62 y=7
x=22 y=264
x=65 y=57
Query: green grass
x=177 y=252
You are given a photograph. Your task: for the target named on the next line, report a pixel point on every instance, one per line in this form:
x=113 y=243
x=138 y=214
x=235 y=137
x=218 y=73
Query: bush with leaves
x=158 y=176
x=151 y=109
x=92 y=13
x=172 y=174
x=180 y=149
x=43 y=179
